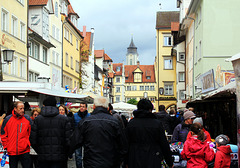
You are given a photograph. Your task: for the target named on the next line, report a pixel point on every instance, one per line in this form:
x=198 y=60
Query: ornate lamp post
x=7 y=57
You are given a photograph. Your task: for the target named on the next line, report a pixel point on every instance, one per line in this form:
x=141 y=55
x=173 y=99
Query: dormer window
x=64 y=8
x=137 y=77
x=118 y=69
x=148 y=77
x=74 y=20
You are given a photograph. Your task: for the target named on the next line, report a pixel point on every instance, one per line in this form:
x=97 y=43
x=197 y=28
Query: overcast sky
x=115 y=22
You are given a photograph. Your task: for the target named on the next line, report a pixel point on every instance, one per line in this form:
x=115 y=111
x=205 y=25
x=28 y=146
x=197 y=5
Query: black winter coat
x=50 y=135
x=148 y=145
x=165 y=119
x=103 y=139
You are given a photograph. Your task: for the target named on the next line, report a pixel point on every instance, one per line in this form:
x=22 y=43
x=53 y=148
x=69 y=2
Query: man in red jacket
x=15 y=134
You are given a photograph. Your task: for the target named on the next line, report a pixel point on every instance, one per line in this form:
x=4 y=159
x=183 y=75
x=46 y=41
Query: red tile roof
x=119 y=73
x=99 y=53
x=148 y=70
x=38 y=2
x=107 y=58
x=71 y=11
x=111 y=75
x=174 y=26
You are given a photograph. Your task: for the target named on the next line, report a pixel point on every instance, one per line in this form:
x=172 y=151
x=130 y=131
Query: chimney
x=92 y=30
x=84 y=31
x=138 y=63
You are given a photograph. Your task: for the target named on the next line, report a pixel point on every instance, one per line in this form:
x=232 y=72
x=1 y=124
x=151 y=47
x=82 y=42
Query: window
x=71 y=38
x=127 y=99
x=66 y=59
x=77 y=66
x=56 y=9
x=66 y=34
x=146 y=87
x=64 y=8
x=168 y=89
x=181 y=56
x=77 y=44
x=33 y=77
x=148 y=77
x=22 y=31
x=71 y=62
x=14 y=66
x=45 y=55
x=152 y=87
x=200 y=47
x=117 y=98
x=117 y=80
x=21 y=1
x=200 y=15
x=30 y=48
x=14 y=26
x=129 y=88
x=53 y=31
x=118 y=69
x=53 y=57
x=4 y=20
x=167 y=40
x=22 y=68
x=134 y=88
x=126 y=78
x=57 y=58
x=137 y=77
x=131 y=62
x=182 y=95
x=117 y=89
x=57 y=34
x=36 y=51
x=168 y=63
x=141 y=87
x=181 y=76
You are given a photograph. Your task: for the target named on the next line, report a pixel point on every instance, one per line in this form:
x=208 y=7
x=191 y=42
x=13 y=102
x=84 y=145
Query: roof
x=99 y=53
x=107 y=58
x=132 y=45
x=71 y=11
x=38 y=2
x=174 y=26
x=111 y=75
x=148 y=70
x=118 y=73
x=164 y=19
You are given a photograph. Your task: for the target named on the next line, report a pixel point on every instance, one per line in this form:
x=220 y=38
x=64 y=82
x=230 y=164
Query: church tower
x=132 y=55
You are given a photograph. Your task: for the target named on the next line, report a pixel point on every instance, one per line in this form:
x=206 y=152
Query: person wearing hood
x=15 y=132
x=102 y=137
x=148 y=145
x=196 y=150
x=181 y=130
x=50 y=136
x=223 y=157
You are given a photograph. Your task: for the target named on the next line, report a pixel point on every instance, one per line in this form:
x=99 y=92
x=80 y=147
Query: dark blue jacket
x=180 y=132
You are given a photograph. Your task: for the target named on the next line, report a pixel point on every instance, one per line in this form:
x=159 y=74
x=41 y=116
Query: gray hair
x=101 y=101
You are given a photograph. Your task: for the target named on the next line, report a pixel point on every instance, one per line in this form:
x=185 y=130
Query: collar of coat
x=100 y=110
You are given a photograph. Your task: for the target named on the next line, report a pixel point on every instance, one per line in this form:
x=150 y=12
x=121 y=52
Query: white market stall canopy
x=124 y=107
x=35 y=91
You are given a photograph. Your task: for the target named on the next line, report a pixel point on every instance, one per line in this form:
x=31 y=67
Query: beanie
x=198 y=120
x=222 y=139
x=188 y=114
x=50 y=101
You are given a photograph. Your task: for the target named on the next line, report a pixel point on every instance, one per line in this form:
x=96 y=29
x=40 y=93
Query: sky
x=116 y=22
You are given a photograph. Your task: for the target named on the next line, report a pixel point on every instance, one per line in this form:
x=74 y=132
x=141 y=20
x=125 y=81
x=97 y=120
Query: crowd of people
x=104 y=139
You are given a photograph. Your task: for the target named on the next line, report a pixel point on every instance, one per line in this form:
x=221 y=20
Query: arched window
x=56 y=9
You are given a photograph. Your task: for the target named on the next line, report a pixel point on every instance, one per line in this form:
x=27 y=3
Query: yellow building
x=165 y=63
x=13 y=36
x=71 y=50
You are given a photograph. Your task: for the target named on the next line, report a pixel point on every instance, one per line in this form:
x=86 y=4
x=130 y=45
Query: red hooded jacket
x=197 y=153
x=15 y=134
x=223 y=157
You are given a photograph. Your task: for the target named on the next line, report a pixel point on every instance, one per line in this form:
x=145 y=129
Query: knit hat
x=188 y=114
x=222 y=139
x=198 y=120
x=50 y=101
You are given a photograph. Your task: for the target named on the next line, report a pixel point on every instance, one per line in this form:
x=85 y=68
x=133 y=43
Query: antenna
x=160 y=5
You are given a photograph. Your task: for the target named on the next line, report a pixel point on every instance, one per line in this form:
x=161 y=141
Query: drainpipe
x=64 y=22
x=158 y=69
x=193 y=87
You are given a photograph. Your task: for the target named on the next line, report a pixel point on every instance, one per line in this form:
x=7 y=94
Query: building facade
x=13 y=36
x=165 y=62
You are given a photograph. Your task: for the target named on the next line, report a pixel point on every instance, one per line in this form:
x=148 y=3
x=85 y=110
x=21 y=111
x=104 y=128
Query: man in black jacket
x=148 y=145
x=164 y=118
x=101 y=136
x=50 y=136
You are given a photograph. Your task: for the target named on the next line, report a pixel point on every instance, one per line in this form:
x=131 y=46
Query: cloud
x=115 y=22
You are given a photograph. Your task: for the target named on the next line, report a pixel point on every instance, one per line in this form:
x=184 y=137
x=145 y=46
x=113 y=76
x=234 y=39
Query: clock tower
x=132 y=55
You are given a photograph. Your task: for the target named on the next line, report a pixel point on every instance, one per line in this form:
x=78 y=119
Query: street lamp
x=7 y=57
